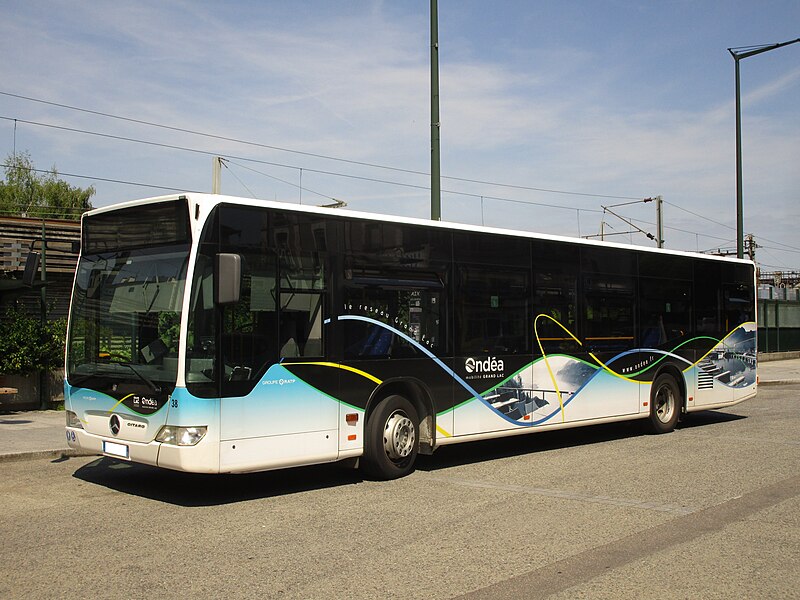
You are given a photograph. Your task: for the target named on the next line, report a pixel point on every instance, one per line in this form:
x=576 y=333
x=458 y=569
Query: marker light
x=181 y=436
x=73 y=420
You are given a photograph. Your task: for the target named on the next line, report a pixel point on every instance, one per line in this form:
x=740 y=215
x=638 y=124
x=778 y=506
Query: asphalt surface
x=711 y=510
x=41 y=434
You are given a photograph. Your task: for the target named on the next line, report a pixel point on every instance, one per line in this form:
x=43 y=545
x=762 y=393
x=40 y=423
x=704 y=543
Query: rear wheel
x=665 y=404
x=392 y=439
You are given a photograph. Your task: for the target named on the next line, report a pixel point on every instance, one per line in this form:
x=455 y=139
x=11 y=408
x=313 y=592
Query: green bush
x=27 y=345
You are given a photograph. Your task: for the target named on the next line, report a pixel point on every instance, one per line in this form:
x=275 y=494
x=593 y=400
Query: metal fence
x=778 y=325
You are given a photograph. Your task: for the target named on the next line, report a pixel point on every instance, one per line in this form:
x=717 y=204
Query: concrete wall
x=27 y=396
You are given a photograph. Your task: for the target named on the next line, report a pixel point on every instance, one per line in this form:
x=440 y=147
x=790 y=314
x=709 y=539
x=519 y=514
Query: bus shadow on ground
x=195 y=490
x=546 y=441
x=519 y=445
x=708 y=417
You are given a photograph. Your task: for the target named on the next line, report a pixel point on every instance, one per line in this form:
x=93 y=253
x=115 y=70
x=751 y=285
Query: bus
x=216 y=334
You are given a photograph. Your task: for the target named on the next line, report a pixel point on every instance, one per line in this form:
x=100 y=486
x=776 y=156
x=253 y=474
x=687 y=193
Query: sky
x=549 y=111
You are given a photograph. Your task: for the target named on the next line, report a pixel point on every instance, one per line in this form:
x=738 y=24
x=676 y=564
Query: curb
x=64 y=453
x=779 y=382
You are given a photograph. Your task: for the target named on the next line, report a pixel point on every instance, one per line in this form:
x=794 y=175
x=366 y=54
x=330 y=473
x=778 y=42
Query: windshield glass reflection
x=126 y=314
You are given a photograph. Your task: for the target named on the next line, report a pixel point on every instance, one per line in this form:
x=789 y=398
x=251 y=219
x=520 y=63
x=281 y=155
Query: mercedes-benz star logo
x=113 y=424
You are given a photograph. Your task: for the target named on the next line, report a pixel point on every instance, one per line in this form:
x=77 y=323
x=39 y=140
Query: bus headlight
x=73 y=420
x=181 y=436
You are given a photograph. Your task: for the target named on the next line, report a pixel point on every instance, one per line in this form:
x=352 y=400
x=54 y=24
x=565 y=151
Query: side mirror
x=31 y=267
x=227 y=278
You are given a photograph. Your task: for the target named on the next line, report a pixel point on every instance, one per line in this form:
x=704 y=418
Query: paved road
x=710 y=511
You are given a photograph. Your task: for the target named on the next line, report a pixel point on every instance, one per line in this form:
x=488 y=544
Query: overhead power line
x=284 y=181
x=232 y=172
x=784 y=247
x=184 y=189
x=309 y=154
x=787 y=247
x=285 y=166
x=109 y=180
x=699 y=215
x=707 y=235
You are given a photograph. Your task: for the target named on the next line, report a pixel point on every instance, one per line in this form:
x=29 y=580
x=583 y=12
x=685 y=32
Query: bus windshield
x=127 y=299
x=126 y=315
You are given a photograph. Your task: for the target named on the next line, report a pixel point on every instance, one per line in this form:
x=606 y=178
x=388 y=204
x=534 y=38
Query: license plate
x=115 y=449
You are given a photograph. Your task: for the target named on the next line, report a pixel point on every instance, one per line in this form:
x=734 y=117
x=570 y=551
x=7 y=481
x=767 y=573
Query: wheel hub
x=398 y=436
x=664 y=404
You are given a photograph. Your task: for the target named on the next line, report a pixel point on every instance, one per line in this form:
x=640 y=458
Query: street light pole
x=436 y=182
x=738 y=54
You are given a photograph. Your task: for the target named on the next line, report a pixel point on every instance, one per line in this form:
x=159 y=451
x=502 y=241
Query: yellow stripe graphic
x=604 y=366
x=111 y=410
x=337 y=366
x=544 y=356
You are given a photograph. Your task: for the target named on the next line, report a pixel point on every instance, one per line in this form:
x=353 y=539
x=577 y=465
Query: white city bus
x=217 y=334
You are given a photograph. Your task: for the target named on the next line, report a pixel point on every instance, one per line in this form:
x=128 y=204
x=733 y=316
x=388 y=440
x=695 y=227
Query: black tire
x=391 y=439
x=666 y=404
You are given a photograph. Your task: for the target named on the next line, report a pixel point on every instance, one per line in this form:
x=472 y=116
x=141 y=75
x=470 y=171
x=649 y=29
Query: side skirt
x=446 y=441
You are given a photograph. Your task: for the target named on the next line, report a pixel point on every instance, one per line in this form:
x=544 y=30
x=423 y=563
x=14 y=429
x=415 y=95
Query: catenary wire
x=360 y=163
x=310 y=154
x=284 y=181
x=285 y=166
x=330 y=173
x=109 y=180
x=44 y=213
x=235 y=176
x=698 y=215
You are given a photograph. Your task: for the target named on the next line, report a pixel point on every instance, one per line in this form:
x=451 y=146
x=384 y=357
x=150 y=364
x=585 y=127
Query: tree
x=27 y=192
x=27 y=344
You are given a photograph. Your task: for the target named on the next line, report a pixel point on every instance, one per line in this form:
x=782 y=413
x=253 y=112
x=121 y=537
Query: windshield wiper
x=147 y=380
x=155 y=294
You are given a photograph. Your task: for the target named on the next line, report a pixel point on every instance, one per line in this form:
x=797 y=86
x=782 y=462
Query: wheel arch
x=420 y=397
x=674 y=372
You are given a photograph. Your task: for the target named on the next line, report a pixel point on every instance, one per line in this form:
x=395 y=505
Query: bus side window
x=665 y=311
x=706 y=296
x=492 y=310
x=609 y=316
x=300 y=242
x=554 y=308
x=414 y=313
x=301 y=324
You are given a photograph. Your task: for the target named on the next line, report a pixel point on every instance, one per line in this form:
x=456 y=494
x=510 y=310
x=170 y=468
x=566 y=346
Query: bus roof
x=209 y=200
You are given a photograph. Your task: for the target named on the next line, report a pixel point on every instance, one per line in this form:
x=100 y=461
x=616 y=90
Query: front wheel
x=392 y=439
x=665 y=404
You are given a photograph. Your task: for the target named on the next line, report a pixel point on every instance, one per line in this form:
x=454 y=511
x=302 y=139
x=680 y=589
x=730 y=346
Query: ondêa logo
x=487 y=365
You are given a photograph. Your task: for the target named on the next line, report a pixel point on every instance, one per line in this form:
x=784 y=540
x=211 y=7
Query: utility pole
x=660 y=221
x=436 y=184
x=44 y=378
x=738 y=54
x=750 y=246
x=216 y=175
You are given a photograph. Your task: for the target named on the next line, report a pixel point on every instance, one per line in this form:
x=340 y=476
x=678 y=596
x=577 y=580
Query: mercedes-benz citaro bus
x=224 y=335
